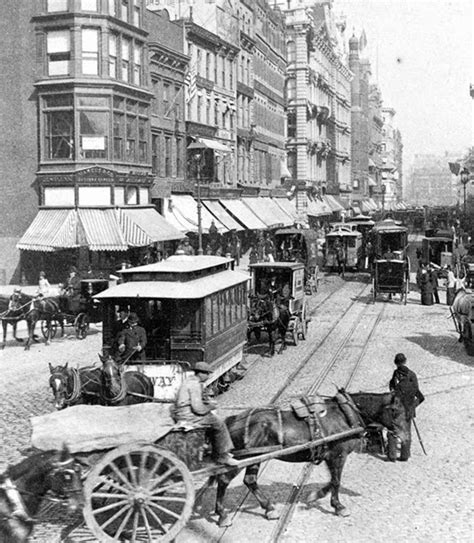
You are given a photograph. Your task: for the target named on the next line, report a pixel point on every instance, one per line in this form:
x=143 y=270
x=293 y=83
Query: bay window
x=93 y=129
x=58 y=46
x=125 y=75
x=58 y=117
x=131 y=141
x=113 y=56
x=90 y=51
x=89 y=5
x=56 y=5
x=119 y=129
x=137 y=64
x=142 y=140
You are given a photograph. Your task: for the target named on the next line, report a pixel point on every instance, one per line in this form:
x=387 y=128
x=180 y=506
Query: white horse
x=462 y=310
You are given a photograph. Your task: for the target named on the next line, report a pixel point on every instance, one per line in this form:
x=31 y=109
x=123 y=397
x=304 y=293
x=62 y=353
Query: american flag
x=190 y=82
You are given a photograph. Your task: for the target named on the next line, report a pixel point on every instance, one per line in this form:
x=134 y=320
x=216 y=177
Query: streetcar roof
x=193 y=289
x=277 y=265
x=343 y=232
x=181 y=264
x=388 y=225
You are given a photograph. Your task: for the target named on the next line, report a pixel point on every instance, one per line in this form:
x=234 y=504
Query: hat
x=202 y=367
x=73 y=269
x=17 y=290
x=400 y=358
x=133 y=318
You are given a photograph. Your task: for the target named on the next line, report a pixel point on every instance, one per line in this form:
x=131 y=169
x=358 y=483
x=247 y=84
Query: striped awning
x=183 y=212
x=264 y=211
x=145 y=226
x=51 y=230
x=218 y=210
x=333 y=203
x=102 y=230
x=243 y=214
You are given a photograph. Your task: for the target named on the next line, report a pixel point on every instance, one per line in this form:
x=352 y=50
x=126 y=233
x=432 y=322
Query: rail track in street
x=344 y=346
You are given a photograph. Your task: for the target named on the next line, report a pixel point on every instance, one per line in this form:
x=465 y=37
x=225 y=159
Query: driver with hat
x=132 y=340
x=192 y=405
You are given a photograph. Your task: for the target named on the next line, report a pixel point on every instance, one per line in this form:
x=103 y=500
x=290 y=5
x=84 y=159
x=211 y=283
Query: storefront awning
x=51 y=229
x=356 y=210
x=205 y=143
x=280 y=215
x=217 y=209
x=102 y=230
x=183 y=214
x=288 y=206
x=263 y=209
x=372 y=183
x=145 y=226
x=98 y=229
x=333 y=203
x=316 y=208
x=243 y=214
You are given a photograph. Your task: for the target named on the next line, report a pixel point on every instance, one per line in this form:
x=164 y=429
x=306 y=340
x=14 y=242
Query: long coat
x=133 y=337
x=405 y=383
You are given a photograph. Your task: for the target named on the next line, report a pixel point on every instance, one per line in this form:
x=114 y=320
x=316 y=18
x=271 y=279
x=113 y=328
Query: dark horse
x=48 y=310
x=123 y=387
x=73 y=386
x=266 y=314
x=23 y=487
x=269 y=427
x=12 y=310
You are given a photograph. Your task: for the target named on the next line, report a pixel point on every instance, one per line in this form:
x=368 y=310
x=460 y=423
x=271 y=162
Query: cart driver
x=193 y=406
x=132 y=340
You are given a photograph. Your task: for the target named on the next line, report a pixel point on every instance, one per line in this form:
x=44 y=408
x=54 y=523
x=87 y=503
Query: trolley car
x=391 y=266
x=193 y=308
x=350 y=241
x=438 y=250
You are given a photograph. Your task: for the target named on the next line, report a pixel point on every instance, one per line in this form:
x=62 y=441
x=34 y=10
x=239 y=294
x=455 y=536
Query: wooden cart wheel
x=81 y=325
x=51 y=327
x=468 y=338
x=138 y=492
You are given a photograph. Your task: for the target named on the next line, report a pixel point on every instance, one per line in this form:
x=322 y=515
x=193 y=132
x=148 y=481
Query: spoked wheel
x=295 y=333
x=304 y=324
x=81 y=325
x=138 y=493
x=49 y=328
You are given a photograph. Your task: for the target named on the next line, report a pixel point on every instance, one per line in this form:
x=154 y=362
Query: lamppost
x=464 y=176
x=197 y=158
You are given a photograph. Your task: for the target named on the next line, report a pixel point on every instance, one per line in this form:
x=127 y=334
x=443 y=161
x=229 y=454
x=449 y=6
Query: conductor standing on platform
x=132 y=340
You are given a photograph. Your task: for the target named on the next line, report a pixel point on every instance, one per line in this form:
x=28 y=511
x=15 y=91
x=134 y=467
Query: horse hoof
x=343 y=512
x=225 y=522
x=272 y=515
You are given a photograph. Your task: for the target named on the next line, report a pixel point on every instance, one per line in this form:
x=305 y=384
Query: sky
x=421 y=53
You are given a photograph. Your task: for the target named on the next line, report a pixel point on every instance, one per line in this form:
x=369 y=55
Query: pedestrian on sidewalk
x=434 y=283
x=450 y=286
x=405 y=384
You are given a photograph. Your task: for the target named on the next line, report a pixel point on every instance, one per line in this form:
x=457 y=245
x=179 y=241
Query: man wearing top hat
x=132 y=340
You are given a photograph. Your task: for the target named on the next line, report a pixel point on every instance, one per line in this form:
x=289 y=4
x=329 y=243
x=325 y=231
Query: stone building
x=431 y=183
x=94 y=158
x=318 y=102
x=375 y=145
x=391 y=161
x=18 y=145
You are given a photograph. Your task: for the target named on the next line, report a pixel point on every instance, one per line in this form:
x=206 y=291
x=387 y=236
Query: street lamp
x=464 y=175
x=197 y=158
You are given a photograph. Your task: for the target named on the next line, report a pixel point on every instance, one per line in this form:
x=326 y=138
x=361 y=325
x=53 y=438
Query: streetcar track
x=306 y=471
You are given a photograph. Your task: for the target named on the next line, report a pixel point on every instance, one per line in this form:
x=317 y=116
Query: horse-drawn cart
x=141 y=471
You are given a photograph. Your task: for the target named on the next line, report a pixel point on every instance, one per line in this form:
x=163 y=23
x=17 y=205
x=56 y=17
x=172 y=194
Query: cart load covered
x=85 y=428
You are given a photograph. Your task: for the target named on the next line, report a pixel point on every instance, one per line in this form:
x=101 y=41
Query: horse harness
x=76 y=385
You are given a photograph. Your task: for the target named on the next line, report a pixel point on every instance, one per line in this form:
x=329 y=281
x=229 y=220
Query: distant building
x=391 y=161
x=375 y=144
x=431 y=183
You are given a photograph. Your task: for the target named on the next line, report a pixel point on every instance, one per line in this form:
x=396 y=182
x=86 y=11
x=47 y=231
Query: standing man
x=193 y=406
x=405 y=385
x=450 y=286
x=132 y=340
x=434 y=283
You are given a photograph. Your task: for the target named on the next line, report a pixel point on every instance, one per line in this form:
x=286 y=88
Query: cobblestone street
x=426 y=499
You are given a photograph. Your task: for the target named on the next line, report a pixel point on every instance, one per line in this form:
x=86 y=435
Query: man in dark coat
x=434 y=283
x=405 y=385
x=132 y=340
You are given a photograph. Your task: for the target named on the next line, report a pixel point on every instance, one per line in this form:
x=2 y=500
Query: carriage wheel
x=304 y=324
x=81 y=325
x=138 y=493
x=295 y=333
x=49 y=328
x=374 y=291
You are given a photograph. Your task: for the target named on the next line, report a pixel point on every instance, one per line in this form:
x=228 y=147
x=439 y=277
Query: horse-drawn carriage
x=193 y=309
x=77 y=311
x=438 y=250
x=343 y=248
x=391 y=266
x=141 y=470
x=54 y=312
x=277 y=302
x=300 y=245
